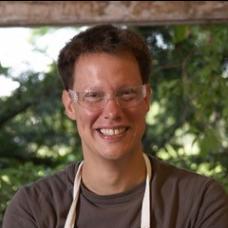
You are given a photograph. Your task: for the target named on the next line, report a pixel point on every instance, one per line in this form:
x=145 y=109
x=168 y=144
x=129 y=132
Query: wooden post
x=37 y=13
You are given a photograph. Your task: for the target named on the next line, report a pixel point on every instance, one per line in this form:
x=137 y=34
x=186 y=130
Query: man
x=105 y=72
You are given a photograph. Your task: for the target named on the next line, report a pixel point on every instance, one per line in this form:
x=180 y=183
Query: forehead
x=101 y=69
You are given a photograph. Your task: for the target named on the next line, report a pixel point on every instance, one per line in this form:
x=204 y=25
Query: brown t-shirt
x=180 y=199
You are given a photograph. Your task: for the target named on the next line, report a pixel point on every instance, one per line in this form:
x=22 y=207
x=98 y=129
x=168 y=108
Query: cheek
x=138 y=114
x=138 y=119
x=85 y=119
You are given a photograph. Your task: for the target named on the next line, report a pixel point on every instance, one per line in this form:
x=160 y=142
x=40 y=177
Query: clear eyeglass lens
x=96 y=100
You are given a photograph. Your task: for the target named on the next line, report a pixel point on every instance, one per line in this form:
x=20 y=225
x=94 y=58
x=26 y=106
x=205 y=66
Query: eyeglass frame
x=75 y=96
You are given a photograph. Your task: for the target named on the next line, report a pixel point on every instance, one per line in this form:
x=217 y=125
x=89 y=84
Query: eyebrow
x=94 y=88
x=100 y=88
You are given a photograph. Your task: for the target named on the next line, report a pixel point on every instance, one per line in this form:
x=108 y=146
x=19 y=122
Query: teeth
x=111 y=131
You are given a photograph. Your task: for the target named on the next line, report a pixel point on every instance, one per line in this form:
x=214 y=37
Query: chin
x=114 y=155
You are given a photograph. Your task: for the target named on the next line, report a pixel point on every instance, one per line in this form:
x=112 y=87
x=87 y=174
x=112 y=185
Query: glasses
x=96 y=100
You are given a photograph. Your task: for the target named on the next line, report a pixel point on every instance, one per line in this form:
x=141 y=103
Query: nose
x=112 y=109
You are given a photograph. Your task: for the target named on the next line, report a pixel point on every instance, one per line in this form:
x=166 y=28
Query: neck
x=107 y=178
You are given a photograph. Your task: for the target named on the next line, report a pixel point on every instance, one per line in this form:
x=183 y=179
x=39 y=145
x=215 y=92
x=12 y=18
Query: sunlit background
x=23 y=49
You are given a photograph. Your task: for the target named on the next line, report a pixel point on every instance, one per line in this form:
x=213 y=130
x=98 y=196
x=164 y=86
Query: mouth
x=112 y=131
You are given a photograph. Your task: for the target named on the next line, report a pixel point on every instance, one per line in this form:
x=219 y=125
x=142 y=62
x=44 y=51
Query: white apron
x=145 y=213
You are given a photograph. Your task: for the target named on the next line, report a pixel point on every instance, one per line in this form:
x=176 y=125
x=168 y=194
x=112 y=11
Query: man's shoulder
x=197 y=198
x=53 y=184
x=44 y=195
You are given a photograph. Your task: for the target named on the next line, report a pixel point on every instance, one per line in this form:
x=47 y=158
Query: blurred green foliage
x=186 y=125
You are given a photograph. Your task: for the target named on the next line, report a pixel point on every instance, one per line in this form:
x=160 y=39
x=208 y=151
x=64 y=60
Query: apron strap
x=145 y=213
x=72 y=212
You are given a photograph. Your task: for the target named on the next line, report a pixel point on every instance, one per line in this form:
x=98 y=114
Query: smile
x=112 y=131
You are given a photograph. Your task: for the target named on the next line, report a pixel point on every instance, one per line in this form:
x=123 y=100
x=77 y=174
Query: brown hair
x=103 y=38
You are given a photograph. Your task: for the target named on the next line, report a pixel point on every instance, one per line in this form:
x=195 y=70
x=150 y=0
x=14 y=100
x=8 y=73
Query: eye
x=93 y=96
x=128 y=94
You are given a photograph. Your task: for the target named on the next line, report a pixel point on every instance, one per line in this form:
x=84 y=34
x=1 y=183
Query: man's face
x=113 y=132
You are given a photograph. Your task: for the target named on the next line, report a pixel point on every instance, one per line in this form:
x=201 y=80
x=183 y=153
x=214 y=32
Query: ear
x=148 y=97
x=69 y=106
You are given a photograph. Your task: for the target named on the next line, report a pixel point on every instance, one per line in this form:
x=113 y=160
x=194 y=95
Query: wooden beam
x=60 y=13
